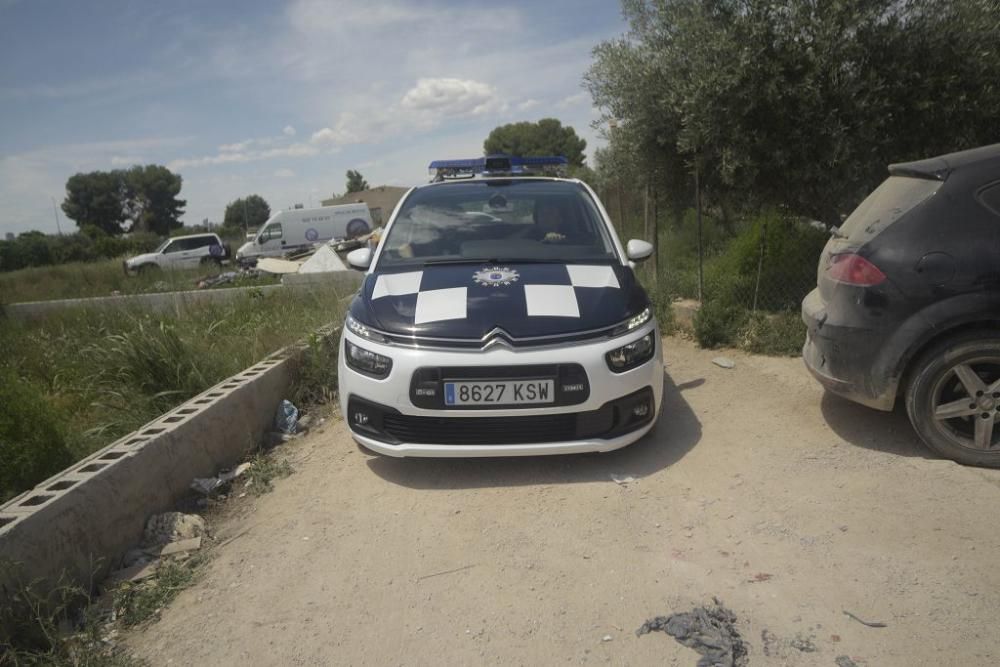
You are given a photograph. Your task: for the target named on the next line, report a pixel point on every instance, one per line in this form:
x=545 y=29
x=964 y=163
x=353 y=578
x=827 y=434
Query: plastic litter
x=287 y=419
x=724 y=362
x=323 y=261
x=207 y=485
x=710 y=631
x=622 y=479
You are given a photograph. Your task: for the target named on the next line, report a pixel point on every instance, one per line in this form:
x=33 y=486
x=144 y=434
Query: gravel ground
x=788 y=505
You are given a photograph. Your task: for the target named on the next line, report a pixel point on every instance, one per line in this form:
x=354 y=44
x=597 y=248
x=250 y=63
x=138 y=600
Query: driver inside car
x=551 y=223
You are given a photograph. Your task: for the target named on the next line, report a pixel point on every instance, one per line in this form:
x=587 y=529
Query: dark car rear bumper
x=842 y=358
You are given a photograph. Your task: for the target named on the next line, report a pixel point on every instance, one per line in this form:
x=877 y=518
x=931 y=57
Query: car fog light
x=640 y=410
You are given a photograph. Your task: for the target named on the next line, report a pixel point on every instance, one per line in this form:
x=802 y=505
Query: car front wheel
x=953 y=399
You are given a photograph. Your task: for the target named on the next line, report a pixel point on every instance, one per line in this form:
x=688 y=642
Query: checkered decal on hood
x=549 y=290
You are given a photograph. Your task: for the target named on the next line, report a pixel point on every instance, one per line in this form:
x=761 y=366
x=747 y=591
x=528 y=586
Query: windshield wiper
x=462 y=260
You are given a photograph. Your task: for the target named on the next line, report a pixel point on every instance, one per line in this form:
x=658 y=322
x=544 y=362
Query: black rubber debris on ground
x=710 y=631
x=844 y=661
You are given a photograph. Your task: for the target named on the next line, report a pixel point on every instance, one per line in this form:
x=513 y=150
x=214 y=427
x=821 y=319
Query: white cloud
x=284 y=173
x=289 y=131
x=452 y=97
x=574 y=100
x=326 y=16
x=245 y=155
x=238 y=147
x=334 y=136
x=125 y=160
x=527 y=104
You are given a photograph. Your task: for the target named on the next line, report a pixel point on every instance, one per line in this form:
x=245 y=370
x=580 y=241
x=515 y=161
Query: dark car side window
x=990 y=197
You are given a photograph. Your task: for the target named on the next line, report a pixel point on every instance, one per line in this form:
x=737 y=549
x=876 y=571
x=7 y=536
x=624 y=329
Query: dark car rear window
x=888 y=203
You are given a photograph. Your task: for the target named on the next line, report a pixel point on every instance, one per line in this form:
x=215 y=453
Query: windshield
x=504 y=221
x=163 y=245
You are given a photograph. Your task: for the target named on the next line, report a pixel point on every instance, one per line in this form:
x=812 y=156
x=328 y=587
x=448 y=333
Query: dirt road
x=788 y=505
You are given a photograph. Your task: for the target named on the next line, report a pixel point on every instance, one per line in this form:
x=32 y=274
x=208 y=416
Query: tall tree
x=546 y=137
x=798 y=104
x=246 y=213
x=94 y=201
x=143 y=196
x=150 y=200
x=355 y=181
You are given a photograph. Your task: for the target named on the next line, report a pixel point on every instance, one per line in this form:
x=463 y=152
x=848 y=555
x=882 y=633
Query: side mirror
x=638 y=251
x=360 y=258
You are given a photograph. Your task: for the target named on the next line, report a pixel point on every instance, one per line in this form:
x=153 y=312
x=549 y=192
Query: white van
x=301 y=227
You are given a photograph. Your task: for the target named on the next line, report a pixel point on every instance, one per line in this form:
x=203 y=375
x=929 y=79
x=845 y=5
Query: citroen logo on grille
x=497 y=336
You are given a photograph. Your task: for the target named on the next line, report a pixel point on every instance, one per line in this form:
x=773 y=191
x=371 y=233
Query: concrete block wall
x=75 y=526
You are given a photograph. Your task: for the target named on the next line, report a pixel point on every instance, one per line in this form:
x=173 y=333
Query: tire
x=953 y=399
x=211 y=261
x=148 y=269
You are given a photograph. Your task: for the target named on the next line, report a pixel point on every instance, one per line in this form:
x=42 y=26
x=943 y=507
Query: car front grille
x=389 y=425
x=482 y=430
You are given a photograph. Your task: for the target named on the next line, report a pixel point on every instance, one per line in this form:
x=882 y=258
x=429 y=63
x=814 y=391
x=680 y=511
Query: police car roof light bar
x=497 y=165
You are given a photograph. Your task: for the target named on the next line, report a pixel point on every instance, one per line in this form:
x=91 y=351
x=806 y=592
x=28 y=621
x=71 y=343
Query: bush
x=718 y=324
x=780 y=334
x=32 y=443
x=784 y=250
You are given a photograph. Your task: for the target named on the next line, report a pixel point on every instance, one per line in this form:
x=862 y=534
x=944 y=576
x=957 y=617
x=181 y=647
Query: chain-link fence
x=749 y=272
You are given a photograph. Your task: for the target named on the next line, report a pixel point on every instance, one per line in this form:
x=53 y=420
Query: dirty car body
x=913 y=272
x=500 y=316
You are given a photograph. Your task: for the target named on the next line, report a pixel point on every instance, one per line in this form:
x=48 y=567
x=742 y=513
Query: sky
x=279 y=99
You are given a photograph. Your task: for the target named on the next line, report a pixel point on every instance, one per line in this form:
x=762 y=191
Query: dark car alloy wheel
x=967 y=401
x=953 y=399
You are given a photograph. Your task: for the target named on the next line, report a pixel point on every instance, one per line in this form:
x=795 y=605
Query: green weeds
x=79 y=379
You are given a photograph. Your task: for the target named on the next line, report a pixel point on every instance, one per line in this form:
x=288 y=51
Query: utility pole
x=55 y=210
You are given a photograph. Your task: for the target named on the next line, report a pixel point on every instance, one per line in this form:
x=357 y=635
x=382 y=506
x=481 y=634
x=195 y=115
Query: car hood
x=525 y=300
x=143 y=258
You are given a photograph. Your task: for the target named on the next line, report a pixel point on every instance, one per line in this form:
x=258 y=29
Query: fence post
x=645 y=211
x=621 y=209
x=656 y=240
x=701 y=254
x=760 y=264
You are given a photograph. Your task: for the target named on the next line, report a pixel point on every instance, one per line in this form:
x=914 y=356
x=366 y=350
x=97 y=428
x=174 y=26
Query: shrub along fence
x=749 y=271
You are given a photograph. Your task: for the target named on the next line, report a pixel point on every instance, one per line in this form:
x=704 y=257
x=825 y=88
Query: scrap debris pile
x=321 y=258
x=711 y=631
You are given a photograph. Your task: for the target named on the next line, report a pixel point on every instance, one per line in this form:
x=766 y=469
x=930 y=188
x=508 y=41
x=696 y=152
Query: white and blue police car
x=500 y=316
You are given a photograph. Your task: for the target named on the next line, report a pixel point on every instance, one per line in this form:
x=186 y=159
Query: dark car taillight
x=855 y=270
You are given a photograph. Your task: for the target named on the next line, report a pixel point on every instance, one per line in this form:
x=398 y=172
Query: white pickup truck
x=181 y=252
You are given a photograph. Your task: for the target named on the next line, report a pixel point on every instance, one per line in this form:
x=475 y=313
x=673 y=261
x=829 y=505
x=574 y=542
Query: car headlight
x=366 y=361
x=633 y=322
x=630 y=356
x=359 y=329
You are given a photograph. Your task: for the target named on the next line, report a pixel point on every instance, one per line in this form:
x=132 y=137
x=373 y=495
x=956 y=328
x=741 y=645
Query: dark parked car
x=908 y=303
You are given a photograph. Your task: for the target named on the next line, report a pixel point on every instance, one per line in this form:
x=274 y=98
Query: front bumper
x=597 y=424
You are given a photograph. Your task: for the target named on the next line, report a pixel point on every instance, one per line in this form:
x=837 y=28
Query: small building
x=381 y=200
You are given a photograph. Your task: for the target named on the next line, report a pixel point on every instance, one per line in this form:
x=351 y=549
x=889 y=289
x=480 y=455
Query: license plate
x=501 y=392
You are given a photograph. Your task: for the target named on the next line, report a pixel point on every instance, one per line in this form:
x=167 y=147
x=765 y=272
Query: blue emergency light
x=497 y=165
